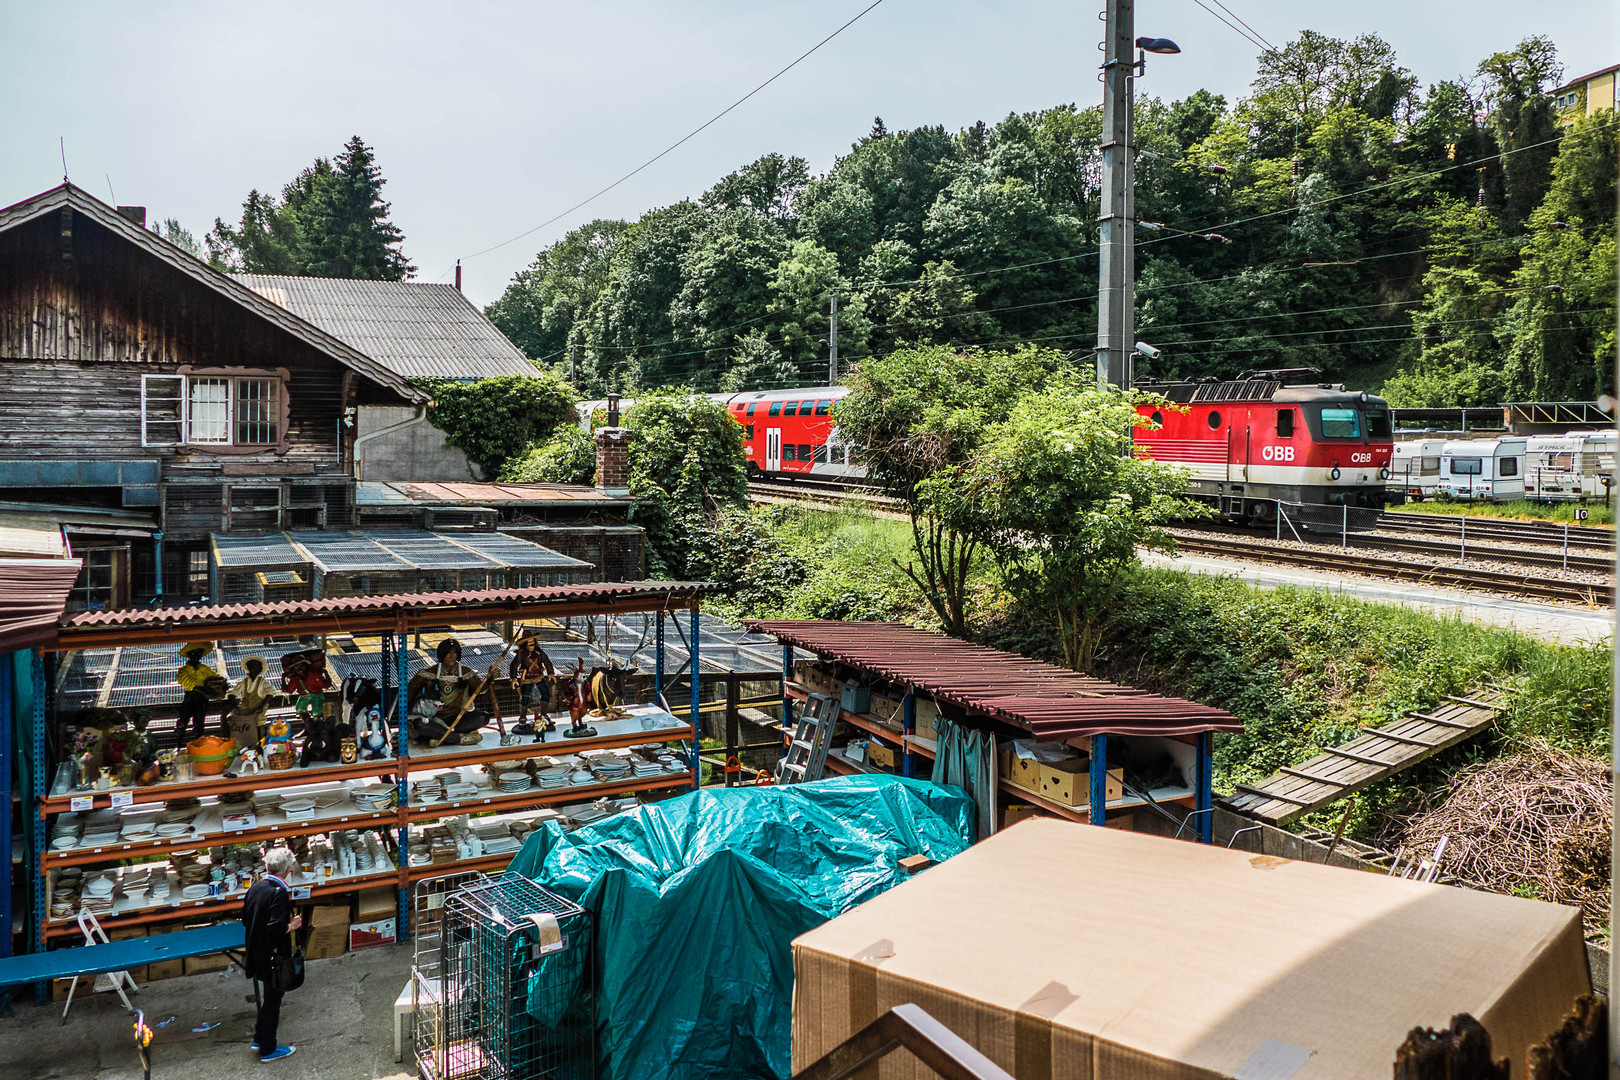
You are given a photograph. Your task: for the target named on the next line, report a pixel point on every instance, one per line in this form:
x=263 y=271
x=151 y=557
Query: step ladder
x=807 y=754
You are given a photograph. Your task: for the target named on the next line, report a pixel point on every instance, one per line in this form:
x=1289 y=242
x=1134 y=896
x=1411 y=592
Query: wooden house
x=163 y=401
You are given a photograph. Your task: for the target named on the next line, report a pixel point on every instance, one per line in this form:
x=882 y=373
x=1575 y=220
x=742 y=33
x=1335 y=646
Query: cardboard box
x=1190 y=962
x=165 y=969
x=201 y=965
x=379 y=903
x=926 y=712
x=1069 y=782
x=888 y=708
x=1022 y=772
x=882 y=756
x=1014 y=812
x=326 y=930
x=363 y=935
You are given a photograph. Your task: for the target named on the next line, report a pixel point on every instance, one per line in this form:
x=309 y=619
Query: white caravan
x=1483 y=470
x=1414 y=470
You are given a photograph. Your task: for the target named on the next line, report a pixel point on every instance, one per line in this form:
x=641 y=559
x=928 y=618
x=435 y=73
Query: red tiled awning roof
x=368 y=614
x=32 y=595
x=1049 y=701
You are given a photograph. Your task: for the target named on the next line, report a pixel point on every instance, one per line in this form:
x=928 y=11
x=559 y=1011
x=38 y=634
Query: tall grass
x=1520 y=510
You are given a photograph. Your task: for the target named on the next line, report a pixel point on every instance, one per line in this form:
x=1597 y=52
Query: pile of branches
x=1532 y=823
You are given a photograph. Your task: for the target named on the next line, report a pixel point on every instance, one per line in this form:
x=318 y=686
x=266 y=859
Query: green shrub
x=568 y=457
x=495 y=420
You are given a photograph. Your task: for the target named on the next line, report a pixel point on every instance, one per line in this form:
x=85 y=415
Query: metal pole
x=832 y=344
x=692 y=669
x=1344 y=529
x=908 y=726
x=1614 y=800
x=658 y=664
x=1098 y=779
x=1116 y=235
x=787 y=700
x=7 y=780
x=1462 y=538
x=573 y=357
x=732 y=738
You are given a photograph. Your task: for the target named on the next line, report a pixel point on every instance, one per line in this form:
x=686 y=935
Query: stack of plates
x=101 y=837
x=194 y=892
x=65 y=842
x=174 y=828
x=139 y=830
x=445 y=779
x=513 y=781
x=554 y=777
x=501 y=846
x=610 y=769
x=643 y=767
x=580 y=778
x=376 y=798
x=298 y=809
x=461 y=789
x=427 y=791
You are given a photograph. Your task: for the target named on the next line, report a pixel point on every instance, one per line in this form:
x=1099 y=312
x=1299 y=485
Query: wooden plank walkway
x=1377 y=754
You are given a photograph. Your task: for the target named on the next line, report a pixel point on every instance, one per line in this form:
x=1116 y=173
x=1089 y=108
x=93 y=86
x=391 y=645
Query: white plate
x=297 y=806
x=62 y=843
x=194 y=892
x=174 y=828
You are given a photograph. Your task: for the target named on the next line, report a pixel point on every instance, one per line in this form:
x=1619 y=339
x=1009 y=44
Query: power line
x=1246 y=26
x=683 y=139
x=1244 y=34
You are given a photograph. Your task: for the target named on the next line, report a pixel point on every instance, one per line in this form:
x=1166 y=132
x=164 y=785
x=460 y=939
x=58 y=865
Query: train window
x=1214 y=420
x=823 y=408
x=819 y=455
x=1378 y=424
x=776 y=408
x=1157 y=418
x=1341 y=424
x=752 y=405
x=804 y=451
x=748 y=432
x=790 y=409
x=1465 y=466
x=806 y=408
x=1285 y=423
x=787 y=452
x=1508 y=466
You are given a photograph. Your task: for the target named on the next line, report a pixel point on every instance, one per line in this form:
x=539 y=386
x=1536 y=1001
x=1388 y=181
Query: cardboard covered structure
x=1070 y=952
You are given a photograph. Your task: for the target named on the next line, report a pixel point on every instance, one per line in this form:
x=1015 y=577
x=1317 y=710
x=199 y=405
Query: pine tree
x=347 y=231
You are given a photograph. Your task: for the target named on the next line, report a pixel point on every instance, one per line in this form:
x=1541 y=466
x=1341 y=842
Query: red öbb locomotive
x=1255 y=439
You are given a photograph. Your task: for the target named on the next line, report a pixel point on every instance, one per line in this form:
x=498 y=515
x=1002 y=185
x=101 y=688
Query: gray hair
x=280 y=862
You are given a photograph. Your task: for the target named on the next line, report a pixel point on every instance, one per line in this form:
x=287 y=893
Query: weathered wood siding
x=77 y=333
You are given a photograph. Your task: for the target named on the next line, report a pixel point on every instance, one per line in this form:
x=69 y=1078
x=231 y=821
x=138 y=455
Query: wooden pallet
x=1377 y=754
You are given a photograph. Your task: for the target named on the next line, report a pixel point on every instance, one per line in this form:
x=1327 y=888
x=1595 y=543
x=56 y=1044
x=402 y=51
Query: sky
x=490 y=118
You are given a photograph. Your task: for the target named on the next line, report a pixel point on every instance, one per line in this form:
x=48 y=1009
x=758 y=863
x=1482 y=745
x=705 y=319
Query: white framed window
x=212 y=410
x=163 y=410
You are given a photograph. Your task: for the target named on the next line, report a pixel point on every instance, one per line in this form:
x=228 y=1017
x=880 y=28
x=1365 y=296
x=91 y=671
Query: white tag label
x=81 y=802
x=301 y=893
x=123 y=798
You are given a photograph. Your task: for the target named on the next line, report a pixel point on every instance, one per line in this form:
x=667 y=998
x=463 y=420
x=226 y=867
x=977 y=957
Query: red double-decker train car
x=1257 y=439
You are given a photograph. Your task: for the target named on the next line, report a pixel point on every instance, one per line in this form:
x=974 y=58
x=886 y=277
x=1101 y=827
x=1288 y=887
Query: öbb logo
x=1277 y=453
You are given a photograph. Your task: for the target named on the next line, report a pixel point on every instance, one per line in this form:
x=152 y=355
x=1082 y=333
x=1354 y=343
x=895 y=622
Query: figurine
x=250 y=762
x=374 y=738
x=441 y=699
x=574 y=693
x=202 y=685
x=532 y=676
x=249 y=703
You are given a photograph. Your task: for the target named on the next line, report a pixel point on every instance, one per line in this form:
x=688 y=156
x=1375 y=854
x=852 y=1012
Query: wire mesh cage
x=514 y=987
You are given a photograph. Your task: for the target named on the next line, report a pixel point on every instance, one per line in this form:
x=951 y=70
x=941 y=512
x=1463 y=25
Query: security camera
x=1147 y=350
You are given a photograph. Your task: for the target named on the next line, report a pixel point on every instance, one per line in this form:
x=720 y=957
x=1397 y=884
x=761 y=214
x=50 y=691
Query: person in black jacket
x=269 y=922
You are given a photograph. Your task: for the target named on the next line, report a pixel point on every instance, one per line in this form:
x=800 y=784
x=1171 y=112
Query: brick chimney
x=137 y=214
x=613 y=461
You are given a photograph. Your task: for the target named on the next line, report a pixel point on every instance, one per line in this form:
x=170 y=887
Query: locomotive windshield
x=1340 y=423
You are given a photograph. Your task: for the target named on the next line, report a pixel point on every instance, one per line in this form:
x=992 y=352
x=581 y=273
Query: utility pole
x=832 y=344
x=1116 y=271
x=573 y=359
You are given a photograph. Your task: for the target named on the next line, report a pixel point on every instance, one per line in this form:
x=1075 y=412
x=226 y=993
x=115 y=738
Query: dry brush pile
x=1534 y=822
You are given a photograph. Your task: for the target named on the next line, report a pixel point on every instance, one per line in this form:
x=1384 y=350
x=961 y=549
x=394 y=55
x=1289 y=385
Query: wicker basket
x=282 y=759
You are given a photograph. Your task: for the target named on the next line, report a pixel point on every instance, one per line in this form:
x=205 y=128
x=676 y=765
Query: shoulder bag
x=286 y=969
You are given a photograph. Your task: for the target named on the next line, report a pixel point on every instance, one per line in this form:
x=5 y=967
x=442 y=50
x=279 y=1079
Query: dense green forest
x=1451 y=243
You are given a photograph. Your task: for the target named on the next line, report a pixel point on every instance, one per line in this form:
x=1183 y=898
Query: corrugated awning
x=33 y=593
x=1051 y=702
x=31 y=536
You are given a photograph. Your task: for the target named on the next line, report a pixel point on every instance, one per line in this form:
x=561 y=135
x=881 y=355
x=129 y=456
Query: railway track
x=1493 y=581
x=1518 y=532
x=1439 y=546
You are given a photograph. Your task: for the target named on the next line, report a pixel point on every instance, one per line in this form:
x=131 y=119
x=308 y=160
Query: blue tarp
x=695 y=901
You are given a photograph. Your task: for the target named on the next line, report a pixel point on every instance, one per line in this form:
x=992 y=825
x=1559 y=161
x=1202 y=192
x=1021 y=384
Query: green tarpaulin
x=695 y=901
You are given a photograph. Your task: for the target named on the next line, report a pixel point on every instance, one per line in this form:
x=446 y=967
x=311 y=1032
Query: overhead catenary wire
x=1246 y=35
x=682 y=140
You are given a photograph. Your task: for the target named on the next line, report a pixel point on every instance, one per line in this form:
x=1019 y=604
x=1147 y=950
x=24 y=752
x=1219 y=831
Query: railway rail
x=1493 y=581
x=1520 y=532
x=1437 y=546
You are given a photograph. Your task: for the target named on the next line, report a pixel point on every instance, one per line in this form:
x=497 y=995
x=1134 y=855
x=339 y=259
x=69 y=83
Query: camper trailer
x=1569 y=468
x=1415 y=469
x=1483 y=470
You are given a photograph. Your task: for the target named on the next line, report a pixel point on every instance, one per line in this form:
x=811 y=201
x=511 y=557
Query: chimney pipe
x=458 y=275
x=613 y=410
x=137 y=214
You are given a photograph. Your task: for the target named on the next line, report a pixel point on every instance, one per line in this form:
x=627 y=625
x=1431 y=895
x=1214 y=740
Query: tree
x=756 y=364
x=567 y=457
x=180 y=236
x=801 y=290
x=541 y=308
x=771 y=185
x=346 y=229
x=1058 y=497
x=942 y=307
x=687 y=467
x=917 y=412
x=1518 y=85
x=495 y=420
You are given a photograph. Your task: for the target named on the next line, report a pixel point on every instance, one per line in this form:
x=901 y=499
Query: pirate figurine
x=436 y=696
x=532 y=674
x=202 y=685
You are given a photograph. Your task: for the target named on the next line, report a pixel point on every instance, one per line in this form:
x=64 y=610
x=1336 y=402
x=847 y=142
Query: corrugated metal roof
x=1049 y=701
x=33 y=593
x=462 y=492
x=303 y=329
x=31 y=536
x=363 y=614
x=414 y=328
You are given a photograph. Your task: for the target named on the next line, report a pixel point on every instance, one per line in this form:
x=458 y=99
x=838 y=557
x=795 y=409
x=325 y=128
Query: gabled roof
x=191 y=266
x=1571 y=84
x=417 y=329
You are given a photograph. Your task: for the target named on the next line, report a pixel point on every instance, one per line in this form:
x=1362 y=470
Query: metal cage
x=514 y=987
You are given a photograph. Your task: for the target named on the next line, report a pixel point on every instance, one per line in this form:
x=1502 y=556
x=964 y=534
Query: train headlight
x=1334 y=474
x=1383 y=474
